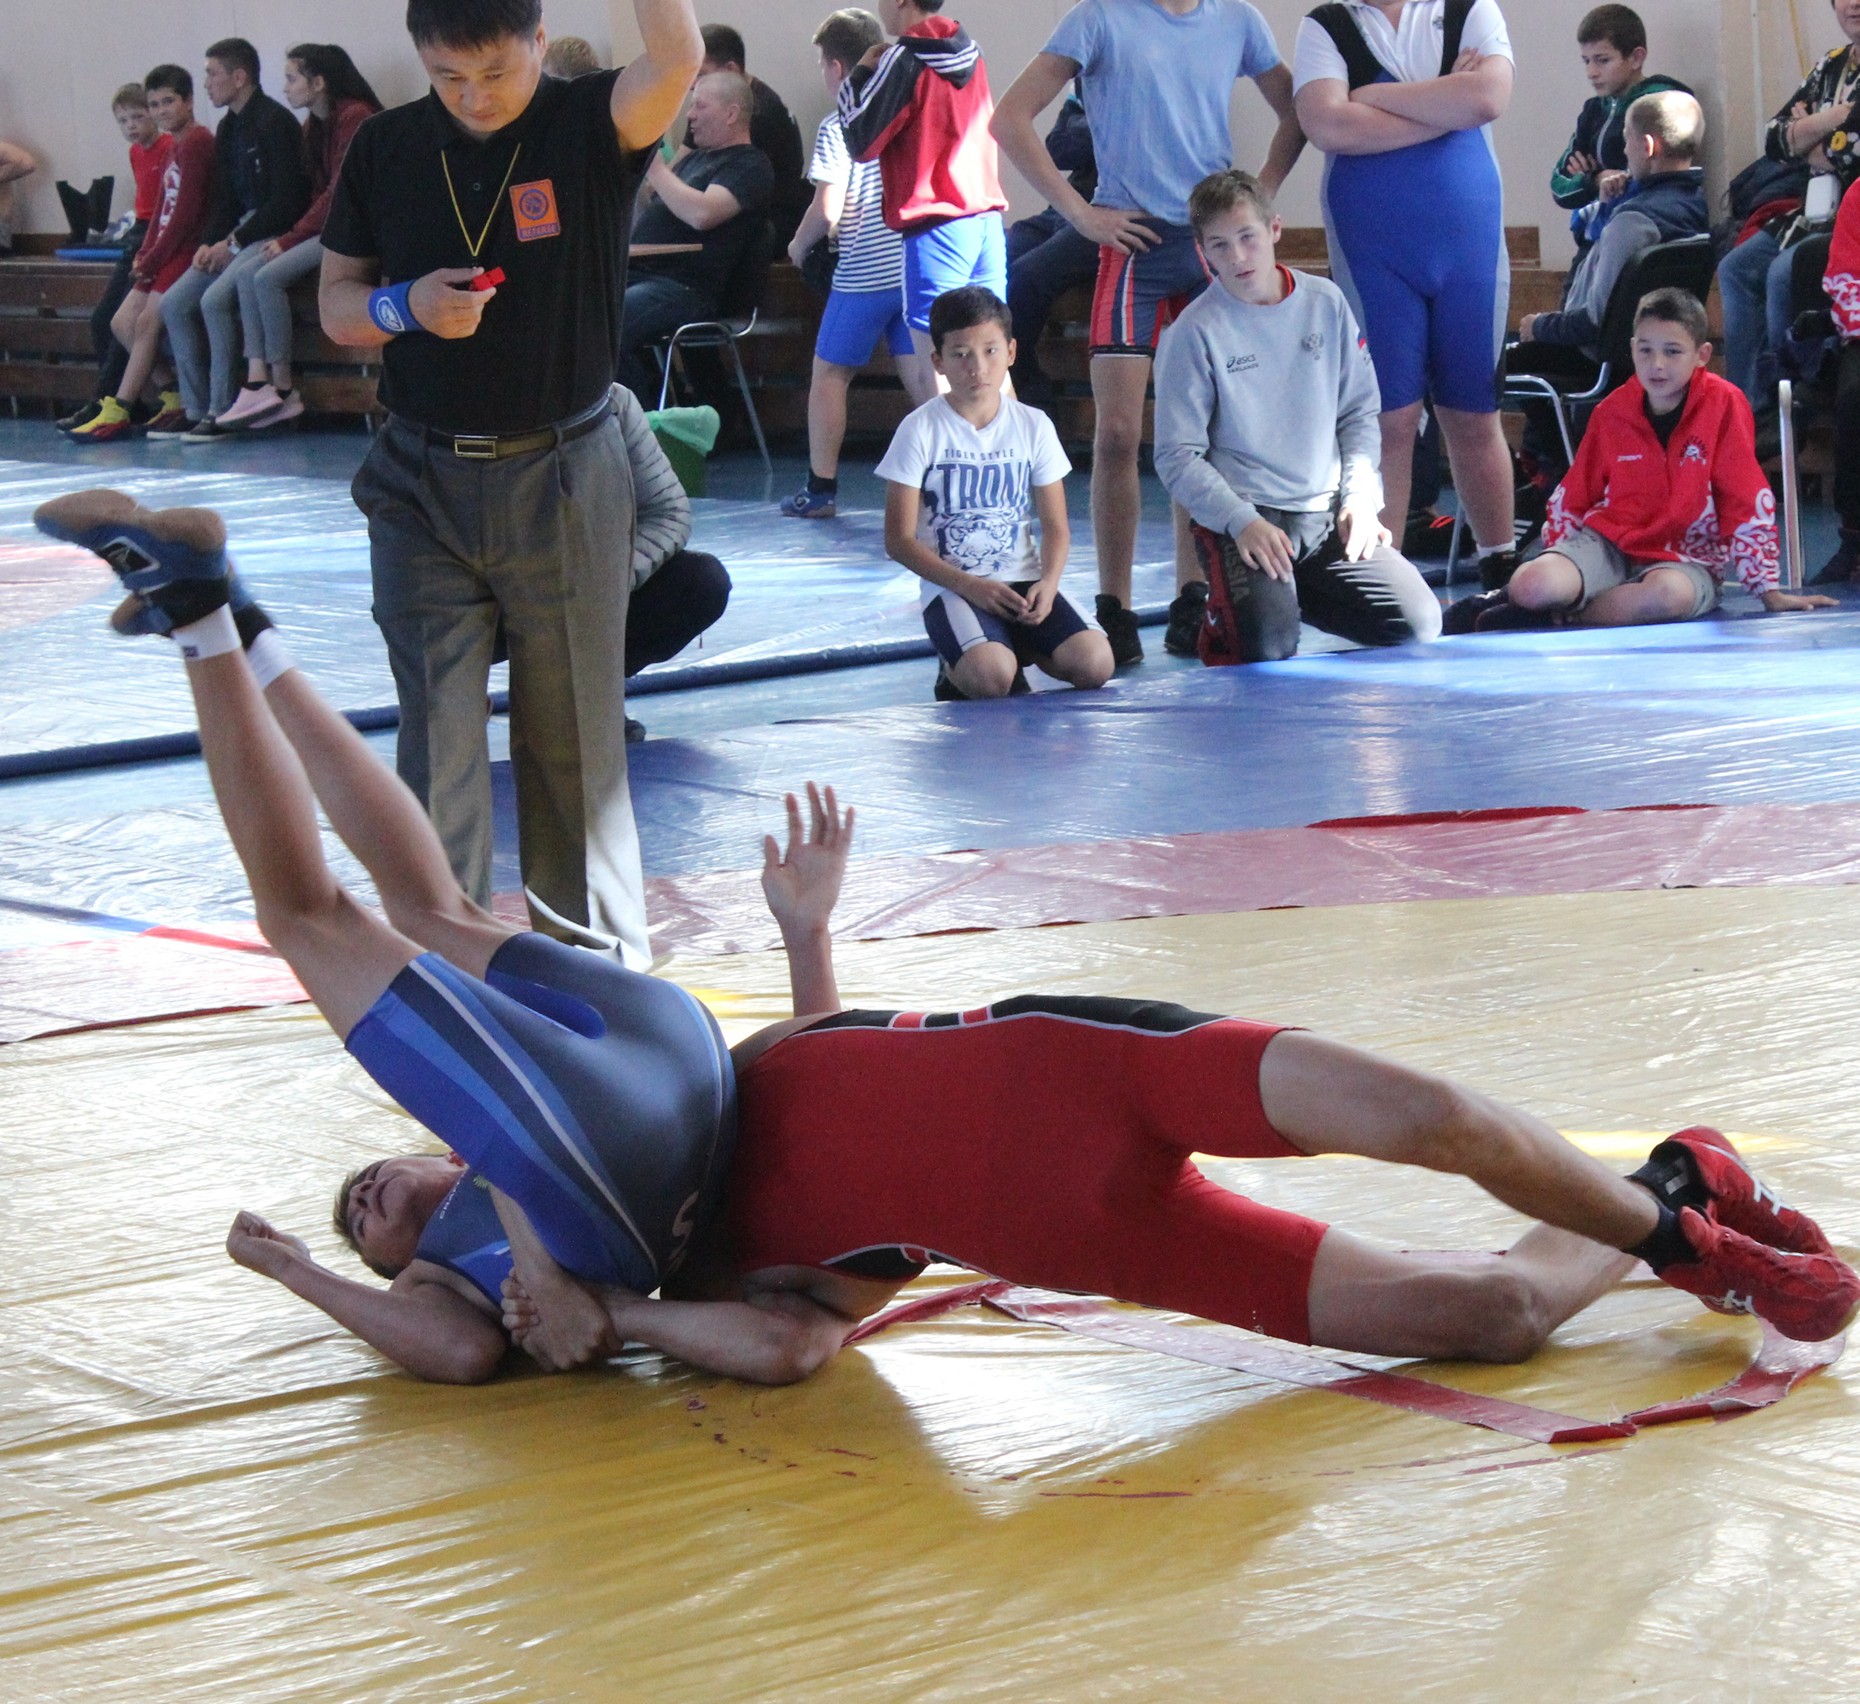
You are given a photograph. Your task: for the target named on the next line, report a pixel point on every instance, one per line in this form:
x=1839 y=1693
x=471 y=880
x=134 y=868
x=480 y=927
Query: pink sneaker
x=251 y=407
x=1737 y=1199
x=289 y=408
x=1810 y=1297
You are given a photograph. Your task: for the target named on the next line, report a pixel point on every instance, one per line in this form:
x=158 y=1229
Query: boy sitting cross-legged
x=1267 y=434
x=965 y=472
x=1665 y=492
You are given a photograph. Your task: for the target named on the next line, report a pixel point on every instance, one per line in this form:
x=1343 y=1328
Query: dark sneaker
x=1120 y=627
x=1463 y=615
x=635 y=731
x=1182 y=637
x=1506 y=617
x=174 y=560
x=1839 y=568
x=1809 y=1297
x=806 y=505
x=1495 y=571
x=208 y=431
x=1699 y=1168
x=170 y=423
x=946 y=690
x=1426 y=535
x=80 y=416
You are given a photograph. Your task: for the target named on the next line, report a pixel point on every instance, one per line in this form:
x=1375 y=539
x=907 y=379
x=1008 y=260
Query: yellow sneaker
x=110 y=421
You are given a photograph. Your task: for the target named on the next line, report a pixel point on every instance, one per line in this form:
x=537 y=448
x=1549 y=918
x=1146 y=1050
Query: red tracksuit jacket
x=923 y=114
x=1842 y=281
x=1701 y=499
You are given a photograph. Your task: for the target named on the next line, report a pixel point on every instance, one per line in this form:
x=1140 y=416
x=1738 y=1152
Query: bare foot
x=556 y=1319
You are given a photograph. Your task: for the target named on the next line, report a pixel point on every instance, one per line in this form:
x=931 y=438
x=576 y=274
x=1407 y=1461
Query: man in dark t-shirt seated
x=771 y=128
x=716 y=196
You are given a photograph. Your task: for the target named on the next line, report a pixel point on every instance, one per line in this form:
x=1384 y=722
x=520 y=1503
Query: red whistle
x=487 y=280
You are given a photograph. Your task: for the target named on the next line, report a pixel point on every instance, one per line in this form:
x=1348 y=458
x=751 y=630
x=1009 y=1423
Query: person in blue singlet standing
x=1401 y=94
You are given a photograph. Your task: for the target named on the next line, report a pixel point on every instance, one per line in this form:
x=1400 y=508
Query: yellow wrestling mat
x=209 y=1493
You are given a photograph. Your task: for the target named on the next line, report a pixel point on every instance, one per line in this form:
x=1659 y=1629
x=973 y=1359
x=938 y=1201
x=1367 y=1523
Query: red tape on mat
x=1780 y=1365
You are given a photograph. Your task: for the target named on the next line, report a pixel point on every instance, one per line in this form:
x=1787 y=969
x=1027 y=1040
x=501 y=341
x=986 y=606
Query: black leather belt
x=481 y=447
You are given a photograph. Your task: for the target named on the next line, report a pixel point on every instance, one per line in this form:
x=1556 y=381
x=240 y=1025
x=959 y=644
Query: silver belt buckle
x=475 y=449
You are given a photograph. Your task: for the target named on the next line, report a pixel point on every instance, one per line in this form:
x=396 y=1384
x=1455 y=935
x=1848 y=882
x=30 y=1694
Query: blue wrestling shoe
x=806 y=505
x=172 y=561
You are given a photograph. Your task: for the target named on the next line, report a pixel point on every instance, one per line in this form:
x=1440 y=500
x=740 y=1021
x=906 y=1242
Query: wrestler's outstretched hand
x=262 y=1247
x=802 y=885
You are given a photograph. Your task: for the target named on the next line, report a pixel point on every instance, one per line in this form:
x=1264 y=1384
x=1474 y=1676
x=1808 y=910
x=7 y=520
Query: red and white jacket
x=923 y=114
x=1702 y=498
x=1842 y=279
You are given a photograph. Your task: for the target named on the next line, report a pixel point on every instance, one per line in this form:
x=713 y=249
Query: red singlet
x=1042 y=1140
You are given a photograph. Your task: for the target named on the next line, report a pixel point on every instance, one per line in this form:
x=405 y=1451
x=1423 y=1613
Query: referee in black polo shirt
x=500 y=483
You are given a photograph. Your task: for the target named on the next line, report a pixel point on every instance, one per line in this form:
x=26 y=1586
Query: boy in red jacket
x=1665 y=494
x=921 y=109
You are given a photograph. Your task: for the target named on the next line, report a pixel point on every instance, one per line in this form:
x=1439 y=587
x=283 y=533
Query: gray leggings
x=264 y=300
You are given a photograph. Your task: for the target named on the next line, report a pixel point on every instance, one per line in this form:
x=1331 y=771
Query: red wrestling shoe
x=1725 y=1189
x=1810 y=1297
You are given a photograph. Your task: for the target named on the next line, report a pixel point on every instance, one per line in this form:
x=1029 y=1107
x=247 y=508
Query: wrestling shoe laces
x=172 y=559
x=1699 y=1168
x=1809 y=1297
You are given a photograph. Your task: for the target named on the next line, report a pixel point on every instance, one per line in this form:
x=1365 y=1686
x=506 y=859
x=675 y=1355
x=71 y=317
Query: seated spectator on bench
x=324 y=79
x=1591 y=173
x=1268 y=433
x=149 y=149
x=772 y=128
x=967 y=472
x=866 y=301
x=262 y=187
x=717 y=195
x=1815 y=124
x=677 y=593
x=1665 y=494
x=1664 y=201
x=166 y=255
x=569 y=57
x=1046 y=257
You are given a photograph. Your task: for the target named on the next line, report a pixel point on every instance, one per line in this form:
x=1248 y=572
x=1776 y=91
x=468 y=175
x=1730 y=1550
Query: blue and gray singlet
x=600 y=1100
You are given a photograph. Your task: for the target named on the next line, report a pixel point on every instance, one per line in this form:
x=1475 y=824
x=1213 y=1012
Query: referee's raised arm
x=651 y=89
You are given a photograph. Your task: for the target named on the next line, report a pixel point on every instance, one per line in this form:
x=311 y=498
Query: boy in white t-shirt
x=966 y=473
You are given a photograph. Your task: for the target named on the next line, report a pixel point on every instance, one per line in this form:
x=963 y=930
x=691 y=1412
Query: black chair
x=737 y=312
x=1570 y=382
x=1685 y=264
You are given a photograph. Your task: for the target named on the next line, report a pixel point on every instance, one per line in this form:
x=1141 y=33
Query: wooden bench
x=46 y=356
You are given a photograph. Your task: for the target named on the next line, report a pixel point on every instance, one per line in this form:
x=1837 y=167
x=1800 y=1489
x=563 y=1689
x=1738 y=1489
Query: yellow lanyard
x=477 y=247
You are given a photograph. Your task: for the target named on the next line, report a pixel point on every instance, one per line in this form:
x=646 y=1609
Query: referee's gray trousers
x=547 y=538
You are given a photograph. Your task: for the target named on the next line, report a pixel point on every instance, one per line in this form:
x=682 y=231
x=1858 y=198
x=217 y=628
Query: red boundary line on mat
x=1777 y=1368
x=1528 y=851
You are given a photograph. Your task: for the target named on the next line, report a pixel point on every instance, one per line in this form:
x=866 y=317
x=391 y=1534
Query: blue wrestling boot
x=172 y=561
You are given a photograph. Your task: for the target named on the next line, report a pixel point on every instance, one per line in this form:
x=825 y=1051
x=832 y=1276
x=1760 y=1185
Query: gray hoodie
x=1270 y=407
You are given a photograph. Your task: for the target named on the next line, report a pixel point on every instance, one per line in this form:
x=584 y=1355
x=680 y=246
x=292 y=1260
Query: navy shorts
x=955 y=625
x=1139 y=296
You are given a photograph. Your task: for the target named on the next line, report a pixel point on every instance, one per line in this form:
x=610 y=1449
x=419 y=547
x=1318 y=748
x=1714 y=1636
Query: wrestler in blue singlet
x=600 y=1100
x=1417 y=242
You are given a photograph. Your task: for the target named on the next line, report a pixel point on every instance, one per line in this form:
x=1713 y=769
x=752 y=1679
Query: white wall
x=61 y=61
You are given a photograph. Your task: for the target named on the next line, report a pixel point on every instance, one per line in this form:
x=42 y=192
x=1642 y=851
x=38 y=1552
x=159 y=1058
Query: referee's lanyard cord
x=497 y=201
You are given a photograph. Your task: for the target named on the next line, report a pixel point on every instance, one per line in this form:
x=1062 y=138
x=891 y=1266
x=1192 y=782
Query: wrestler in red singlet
x=1042 y=1140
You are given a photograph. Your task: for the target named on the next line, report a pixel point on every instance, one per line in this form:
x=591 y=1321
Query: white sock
x=1486 y=550
x=211 y=636
x=269 y=657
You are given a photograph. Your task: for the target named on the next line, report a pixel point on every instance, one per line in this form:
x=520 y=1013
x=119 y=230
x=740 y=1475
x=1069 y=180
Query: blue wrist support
x=388 y=307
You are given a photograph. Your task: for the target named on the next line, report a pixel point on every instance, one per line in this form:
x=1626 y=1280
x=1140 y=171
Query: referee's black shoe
x=1182 y=637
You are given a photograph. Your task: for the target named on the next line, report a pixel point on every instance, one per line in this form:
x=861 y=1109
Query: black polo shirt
x=556 y=189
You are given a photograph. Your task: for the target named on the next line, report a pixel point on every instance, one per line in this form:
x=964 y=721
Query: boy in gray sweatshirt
x=1267 y=434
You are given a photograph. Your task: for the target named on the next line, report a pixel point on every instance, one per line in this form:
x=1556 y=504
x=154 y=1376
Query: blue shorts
x=1417 y=245
x=955 y=625
x=599 y=1100
x=946 y=257
x=1139 y=295
x=854 y=322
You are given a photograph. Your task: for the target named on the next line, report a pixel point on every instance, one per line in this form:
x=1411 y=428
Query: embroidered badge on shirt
x=534 y=206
